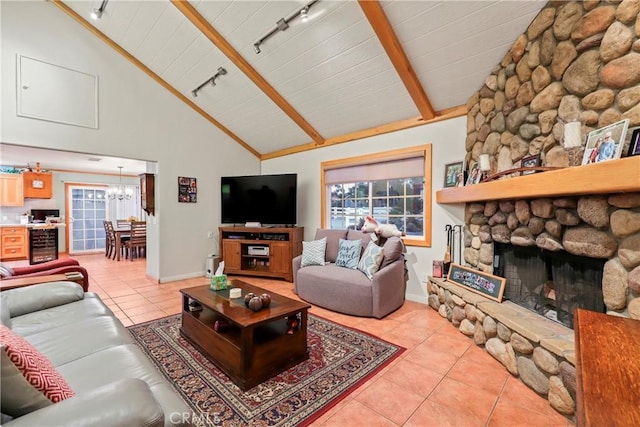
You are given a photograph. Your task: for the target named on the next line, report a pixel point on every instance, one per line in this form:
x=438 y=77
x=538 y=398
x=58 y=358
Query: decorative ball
x=266 y=300
x=255 y=303
x=248 y=297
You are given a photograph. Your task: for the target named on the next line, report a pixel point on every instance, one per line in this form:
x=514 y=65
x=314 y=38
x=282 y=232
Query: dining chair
x=137 y=239
x=110 y=239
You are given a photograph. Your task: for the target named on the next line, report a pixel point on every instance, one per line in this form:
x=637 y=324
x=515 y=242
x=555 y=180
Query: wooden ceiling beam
x=383 y=29
x=447 y=114
x=115 y=46
x=225 y=47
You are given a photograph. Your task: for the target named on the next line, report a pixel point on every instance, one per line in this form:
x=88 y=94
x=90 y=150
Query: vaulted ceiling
x=354 y=69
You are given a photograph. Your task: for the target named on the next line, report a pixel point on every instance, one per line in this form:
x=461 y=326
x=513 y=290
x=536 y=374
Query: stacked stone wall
x=576 y=61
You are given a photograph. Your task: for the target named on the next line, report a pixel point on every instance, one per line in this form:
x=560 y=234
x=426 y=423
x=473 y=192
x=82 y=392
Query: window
x=394 y=187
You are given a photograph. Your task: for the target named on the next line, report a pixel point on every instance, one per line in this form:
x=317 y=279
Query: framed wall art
x=453 y=175
x=187 y=190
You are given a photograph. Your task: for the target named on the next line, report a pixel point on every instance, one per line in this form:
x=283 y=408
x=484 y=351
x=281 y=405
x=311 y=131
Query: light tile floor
x=442 y=379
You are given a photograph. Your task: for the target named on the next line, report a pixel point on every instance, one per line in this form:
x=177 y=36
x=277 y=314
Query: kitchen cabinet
x=147 y=195
x=11 y=189
x=37 y=185
x=14 y=243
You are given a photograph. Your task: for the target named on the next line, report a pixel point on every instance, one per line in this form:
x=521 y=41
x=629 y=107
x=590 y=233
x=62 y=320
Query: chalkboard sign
x=477 y=281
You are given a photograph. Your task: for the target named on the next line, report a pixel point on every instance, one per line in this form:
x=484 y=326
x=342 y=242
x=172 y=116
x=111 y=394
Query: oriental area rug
x=340 y=359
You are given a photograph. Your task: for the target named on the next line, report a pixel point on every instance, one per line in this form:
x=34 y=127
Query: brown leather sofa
x=59 y=266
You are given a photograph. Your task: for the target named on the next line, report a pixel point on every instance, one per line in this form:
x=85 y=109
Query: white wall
x=447 y=138
x=137 y=119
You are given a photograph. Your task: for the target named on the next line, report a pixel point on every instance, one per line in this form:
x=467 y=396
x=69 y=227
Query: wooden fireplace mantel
x=612 y=176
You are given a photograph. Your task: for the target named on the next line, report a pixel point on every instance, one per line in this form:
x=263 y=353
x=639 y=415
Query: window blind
x=394 y=169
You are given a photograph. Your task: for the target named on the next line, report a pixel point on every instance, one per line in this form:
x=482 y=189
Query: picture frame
x=634 y=143
x=474 y=174
x=605 y=143
x=187 y=190
x=453 y=173
x=529 y=161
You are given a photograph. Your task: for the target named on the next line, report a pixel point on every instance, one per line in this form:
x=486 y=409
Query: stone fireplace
x=577 y=61
x=599 y=231
x=551 y=284
x=605 y=228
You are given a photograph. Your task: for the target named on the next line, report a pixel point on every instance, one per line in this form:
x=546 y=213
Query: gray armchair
x=350 y=291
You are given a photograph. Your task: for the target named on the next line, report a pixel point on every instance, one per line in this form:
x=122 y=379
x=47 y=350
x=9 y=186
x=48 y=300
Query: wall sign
x=187 y=190
x=477 y=281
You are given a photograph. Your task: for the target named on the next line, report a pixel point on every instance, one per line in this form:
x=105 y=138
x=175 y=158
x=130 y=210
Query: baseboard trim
x=182 y=277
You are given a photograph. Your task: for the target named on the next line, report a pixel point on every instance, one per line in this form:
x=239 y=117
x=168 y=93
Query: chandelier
x=119 y=192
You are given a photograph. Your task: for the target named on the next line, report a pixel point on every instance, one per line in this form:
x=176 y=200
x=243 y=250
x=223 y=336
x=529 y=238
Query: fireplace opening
x=552 y=284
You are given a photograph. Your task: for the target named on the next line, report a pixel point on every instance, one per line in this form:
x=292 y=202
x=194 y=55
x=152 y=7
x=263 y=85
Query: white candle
x=572 y=135
x=485 y=164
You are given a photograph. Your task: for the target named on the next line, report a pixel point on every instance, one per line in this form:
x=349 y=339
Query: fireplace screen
x=552 y=284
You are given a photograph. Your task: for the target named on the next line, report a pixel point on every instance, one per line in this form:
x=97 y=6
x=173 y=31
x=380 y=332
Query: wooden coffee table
x=256 y=346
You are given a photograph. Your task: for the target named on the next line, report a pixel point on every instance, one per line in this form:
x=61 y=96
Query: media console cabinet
x=260 y=251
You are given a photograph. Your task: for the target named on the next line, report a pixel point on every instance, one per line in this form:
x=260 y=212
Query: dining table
x=121 y=231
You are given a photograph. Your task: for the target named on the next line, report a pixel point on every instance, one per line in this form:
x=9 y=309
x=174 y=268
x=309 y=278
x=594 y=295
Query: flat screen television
x=267 y=199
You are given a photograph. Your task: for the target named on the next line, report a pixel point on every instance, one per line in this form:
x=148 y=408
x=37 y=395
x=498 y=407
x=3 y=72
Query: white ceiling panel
x=332 y=70
x=158 y=36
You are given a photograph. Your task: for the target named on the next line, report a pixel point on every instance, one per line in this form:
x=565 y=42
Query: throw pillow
x=34 y=366
x=371 y=259
x=392 y=249
x=313 y=252
x=5 y=270
x=24 y=397
x=348 y=253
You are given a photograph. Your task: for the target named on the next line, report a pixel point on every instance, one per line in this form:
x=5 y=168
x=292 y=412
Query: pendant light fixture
x=120 y=192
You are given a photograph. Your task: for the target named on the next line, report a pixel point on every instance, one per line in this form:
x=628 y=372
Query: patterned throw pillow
x=34 y=366
x=371 y=259
x=313 y=252
x=348 y=253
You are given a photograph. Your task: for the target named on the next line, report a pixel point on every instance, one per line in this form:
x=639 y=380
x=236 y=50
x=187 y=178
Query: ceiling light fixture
x=119 y=192
x=96 y=13
x=221 y=72
x=283 y=24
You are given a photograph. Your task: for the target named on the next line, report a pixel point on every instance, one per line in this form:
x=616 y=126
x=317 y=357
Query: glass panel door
x=88 y=210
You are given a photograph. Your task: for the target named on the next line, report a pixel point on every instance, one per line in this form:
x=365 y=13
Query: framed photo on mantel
x=605 y=143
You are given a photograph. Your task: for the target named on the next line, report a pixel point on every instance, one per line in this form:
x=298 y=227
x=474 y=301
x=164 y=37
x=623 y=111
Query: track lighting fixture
x=96 y=13
x=283 y=23
x=221 y=72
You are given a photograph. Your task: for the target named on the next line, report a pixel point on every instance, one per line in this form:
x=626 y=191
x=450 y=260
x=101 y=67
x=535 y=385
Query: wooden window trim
x=403 y=153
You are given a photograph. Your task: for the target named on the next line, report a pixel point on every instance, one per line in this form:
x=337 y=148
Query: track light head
x=256 y=47
x=97 y=12
x=194 y=93
x=304 y=14
x=222 y=71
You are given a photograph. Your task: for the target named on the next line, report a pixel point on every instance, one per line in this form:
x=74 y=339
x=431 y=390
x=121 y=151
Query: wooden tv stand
x=260 y=251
